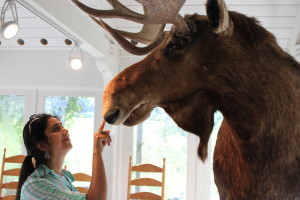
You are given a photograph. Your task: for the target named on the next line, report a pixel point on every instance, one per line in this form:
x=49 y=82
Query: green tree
x=67 y=108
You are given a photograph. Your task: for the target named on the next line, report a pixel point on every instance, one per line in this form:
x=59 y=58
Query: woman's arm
x=98 y=185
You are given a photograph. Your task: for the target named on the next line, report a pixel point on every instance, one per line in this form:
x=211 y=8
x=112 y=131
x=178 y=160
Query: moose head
x=178 y=57
x=220 y=61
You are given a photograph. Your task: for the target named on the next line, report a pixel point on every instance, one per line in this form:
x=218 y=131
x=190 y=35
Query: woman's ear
x=43 y=146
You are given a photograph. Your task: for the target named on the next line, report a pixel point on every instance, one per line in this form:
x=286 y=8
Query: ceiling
x=281 y=17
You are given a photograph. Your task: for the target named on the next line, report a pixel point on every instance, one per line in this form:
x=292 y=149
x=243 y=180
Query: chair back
x=82 y=177
x=15 y=172
x=148 y=168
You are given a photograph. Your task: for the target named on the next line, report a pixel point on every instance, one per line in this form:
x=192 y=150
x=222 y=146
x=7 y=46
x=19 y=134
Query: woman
x=47 y=142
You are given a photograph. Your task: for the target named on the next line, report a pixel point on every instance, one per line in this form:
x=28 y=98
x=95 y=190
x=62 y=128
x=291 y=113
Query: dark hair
x=33 y=132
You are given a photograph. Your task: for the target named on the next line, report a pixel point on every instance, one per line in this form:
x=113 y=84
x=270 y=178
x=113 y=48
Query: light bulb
x=10 y=29
x=76 y=63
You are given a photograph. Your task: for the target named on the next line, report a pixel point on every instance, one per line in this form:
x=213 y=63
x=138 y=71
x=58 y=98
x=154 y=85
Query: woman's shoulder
x=68 y=175
x=40 y=171
x=40 y=176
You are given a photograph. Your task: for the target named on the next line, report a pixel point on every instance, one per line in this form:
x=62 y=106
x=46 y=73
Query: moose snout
x=112 y=116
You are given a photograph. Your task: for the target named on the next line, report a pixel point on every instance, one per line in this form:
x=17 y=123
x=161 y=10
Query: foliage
x=11 y=124
x=162 y=138
x=68 y=108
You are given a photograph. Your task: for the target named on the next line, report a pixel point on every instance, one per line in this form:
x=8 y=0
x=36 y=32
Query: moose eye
x=172 y=50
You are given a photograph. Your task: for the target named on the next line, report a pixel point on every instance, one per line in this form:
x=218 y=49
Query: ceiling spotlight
x=9 y=28
x=76 y=57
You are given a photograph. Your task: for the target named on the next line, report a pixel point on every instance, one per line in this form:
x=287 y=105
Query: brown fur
x=242 y=73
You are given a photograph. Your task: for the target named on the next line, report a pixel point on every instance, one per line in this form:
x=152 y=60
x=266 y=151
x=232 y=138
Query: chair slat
x=10 y=197
x=146 y=182
x=12 y=172
x=82 y=189
x=10 y=185
x=146 y=168
x=82 y=177
x=15 y=159
x=145 y=195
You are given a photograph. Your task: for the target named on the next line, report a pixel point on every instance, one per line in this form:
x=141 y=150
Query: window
x=218 y=118
x=11 y=123
x=157 y=138
x=11 y=127
x=160 y=137
x=77 y=115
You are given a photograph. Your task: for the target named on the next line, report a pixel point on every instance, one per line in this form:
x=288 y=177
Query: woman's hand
x=102 y=138
x=98 y=185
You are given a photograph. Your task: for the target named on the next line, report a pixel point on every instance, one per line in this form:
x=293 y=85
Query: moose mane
x=251 y=30
x=257 y=37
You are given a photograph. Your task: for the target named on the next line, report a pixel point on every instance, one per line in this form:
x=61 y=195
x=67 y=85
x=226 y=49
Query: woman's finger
x=109 y=140
x=101 y=126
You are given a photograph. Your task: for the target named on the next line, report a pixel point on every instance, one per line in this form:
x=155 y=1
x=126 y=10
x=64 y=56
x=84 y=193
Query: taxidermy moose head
x=222 y=61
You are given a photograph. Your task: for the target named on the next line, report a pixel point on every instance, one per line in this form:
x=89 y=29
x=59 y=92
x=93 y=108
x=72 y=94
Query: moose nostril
x=112 y=118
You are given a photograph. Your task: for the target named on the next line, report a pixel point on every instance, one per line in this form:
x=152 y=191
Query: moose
x=223 y=61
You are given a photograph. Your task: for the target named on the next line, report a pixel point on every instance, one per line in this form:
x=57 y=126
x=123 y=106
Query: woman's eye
x=57 y=128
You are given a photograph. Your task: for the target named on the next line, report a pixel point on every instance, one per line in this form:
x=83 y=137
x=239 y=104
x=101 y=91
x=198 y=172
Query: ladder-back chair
x=15 y=172
x=82 y=177
x=148 y=168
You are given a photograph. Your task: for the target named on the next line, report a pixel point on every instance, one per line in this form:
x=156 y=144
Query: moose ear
x=218 y=17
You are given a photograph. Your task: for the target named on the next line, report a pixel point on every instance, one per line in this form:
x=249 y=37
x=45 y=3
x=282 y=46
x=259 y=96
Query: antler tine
x=157 y=14
x=146 y=36
x=148 y=33
x=160 y=12
x=126 y=44
x=118 y=11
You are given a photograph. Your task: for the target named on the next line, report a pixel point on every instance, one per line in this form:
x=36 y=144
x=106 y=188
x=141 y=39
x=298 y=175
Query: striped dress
x=44 y=183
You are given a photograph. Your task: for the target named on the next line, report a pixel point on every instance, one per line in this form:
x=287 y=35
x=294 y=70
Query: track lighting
x=76 y=57
x=9 y=28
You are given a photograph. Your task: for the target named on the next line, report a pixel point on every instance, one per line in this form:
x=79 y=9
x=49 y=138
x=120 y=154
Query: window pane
x=218 y=118
x=11 y=127
x=77 y=115
x=157 y=138
x=11 y=123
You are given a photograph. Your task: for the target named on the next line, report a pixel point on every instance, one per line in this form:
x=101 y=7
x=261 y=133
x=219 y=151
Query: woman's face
x=58 y=137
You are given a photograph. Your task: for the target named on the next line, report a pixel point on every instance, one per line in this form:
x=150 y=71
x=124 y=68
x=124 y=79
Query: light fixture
x=9 y=28
x=76 y=57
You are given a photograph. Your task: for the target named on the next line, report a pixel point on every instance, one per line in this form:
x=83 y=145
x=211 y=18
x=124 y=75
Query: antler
x=157 y=13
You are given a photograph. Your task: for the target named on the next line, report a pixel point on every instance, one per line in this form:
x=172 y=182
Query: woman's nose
x=65 y=131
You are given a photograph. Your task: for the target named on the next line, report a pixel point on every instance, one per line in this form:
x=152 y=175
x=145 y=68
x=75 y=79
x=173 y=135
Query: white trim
x=122 y=151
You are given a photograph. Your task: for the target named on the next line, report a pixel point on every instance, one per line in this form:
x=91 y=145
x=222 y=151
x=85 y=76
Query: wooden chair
x=148 y=168
x=82 y=177
x=15 y=172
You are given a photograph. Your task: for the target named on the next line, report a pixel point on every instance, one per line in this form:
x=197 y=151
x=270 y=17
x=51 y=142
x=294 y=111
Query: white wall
x=46 y=69
x=295 y=51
